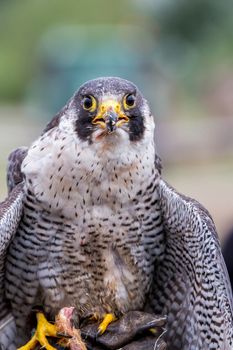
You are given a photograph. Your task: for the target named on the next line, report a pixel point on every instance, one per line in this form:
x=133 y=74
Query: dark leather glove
x=131 y=332
x=136 y=330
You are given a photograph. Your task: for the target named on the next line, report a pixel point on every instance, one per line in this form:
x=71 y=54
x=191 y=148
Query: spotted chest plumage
x=99 y=256
x=99 y=262
x=90 y=224
x=93 y=223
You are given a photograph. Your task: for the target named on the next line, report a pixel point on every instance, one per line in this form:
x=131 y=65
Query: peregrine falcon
x=90 y=223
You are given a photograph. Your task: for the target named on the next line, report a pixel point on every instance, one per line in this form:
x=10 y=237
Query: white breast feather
x=69 y=175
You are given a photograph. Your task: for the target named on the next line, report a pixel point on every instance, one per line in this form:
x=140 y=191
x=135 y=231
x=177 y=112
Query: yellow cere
x=107 y=106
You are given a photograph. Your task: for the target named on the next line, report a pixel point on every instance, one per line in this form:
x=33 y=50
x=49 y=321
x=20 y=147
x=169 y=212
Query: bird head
x=107 y=111
x=110 y=106
x=104 y=132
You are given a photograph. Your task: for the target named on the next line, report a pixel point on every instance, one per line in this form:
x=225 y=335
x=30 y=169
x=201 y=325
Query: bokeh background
x=179 y=53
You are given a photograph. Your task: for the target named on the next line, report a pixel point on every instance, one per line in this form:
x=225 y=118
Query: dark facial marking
x=98 y=88
x=83 y=125
x=136 y=128
x=136 y=120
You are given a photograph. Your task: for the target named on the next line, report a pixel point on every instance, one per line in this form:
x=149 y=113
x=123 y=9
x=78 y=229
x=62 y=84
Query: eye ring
x=89 y=103
x=129 y=101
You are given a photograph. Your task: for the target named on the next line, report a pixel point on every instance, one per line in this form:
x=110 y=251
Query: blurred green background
x=179 y=53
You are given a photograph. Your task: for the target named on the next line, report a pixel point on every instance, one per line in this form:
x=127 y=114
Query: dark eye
x=89 y=103
x=129 y=101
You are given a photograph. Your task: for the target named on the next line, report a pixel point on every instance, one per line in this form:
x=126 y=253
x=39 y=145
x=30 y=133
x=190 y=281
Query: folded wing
x=191 y=284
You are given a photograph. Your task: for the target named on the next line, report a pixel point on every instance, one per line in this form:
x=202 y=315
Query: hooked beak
x=111 y=121
x=110 y=116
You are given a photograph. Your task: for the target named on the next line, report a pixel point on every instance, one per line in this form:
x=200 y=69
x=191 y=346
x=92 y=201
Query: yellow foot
x=108 y=318
x=44 y=329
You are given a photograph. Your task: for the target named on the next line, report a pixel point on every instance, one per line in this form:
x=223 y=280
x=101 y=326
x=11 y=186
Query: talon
x=44 y=329
x=108 y=318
